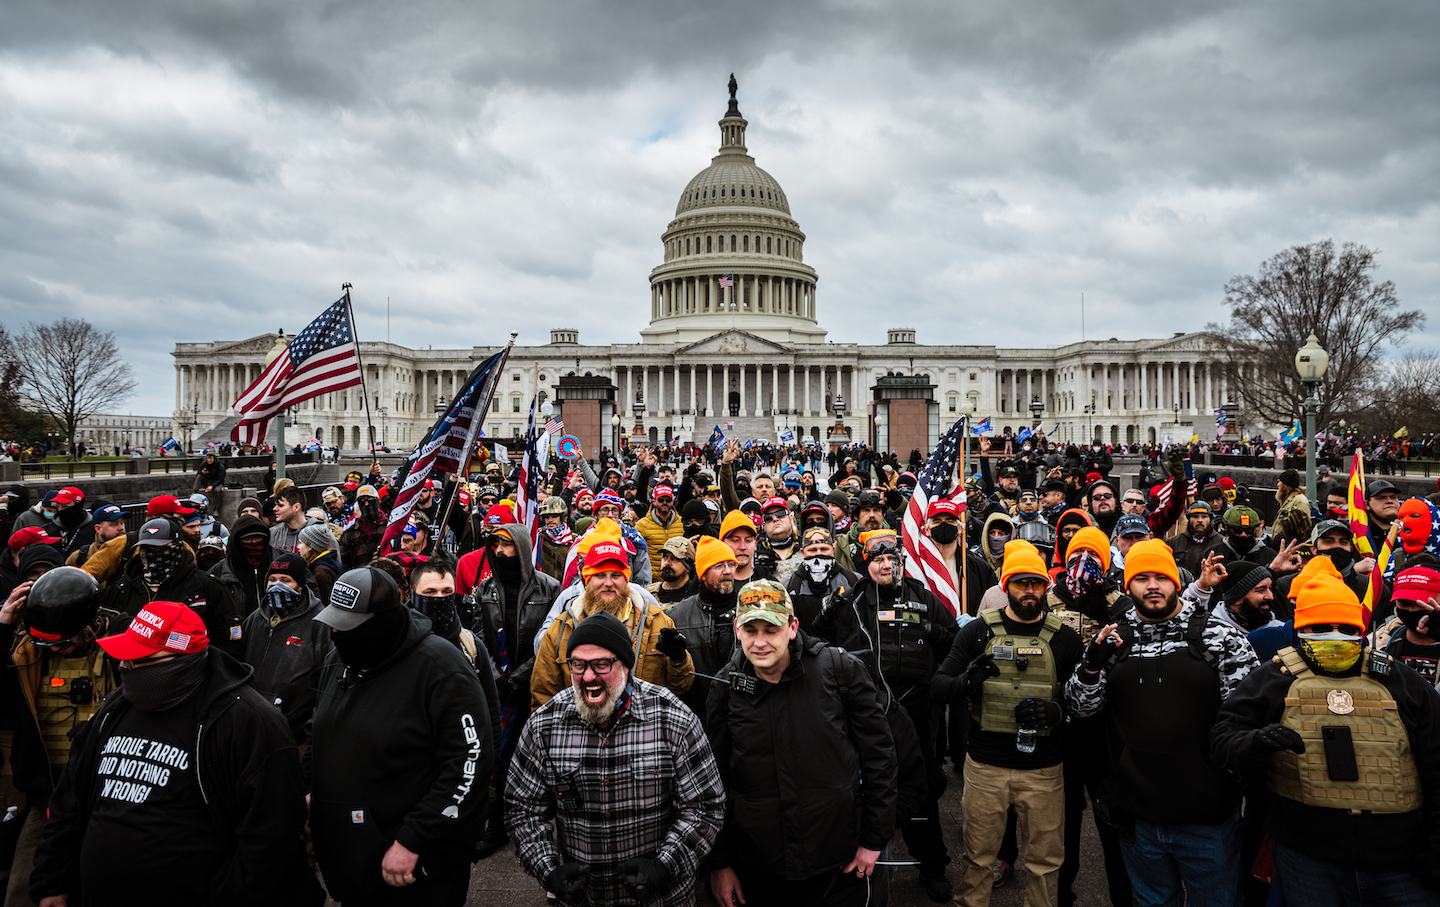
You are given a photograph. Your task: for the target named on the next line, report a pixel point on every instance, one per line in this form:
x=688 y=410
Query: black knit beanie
x=605 y=630
x=1240 y=578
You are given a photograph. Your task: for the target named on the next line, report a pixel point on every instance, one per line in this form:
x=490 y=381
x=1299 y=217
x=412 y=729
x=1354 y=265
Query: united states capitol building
x=753 y=354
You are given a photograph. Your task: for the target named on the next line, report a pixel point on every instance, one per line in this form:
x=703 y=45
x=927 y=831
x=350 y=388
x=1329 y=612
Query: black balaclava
x=506 y=569
x=445 y=622
x=373 y=641
x=159 y=687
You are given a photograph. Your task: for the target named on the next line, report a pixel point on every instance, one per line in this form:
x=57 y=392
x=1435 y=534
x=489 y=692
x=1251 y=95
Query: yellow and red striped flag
x=1359 y=512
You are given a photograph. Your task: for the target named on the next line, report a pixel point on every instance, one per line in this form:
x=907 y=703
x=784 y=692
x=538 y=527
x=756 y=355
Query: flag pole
x=464 y=458
x=364 y=391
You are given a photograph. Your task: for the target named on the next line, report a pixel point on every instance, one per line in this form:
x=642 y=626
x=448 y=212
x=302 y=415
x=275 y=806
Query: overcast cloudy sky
x=180 y=171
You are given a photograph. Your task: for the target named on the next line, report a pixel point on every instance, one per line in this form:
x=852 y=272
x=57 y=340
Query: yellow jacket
x=551 y=673
x=656 y=535
x=103 y=559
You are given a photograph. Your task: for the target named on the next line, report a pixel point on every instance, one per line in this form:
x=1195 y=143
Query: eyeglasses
x=601 y=666
x=1134 y=500
x=1102 y=497
x=775 y=516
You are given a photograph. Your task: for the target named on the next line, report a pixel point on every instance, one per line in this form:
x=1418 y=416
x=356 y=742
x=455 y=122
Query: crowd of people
x=715 y=673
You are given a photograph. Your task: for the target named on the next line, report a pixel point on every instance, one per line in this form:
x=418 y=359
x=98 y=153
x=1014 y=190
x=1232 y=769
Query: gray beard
x=595 y=714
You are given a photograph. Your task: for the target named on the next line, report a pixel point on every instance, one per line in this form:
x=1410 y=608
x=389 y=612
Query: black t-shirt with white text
x=150 y=838
x=1423 y=660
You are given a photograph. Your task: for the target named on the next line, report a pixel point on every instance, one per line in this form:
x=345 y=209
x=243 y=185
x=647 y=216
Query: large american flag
x=727 y=281
x=936 y=482
x=444 y=447
x=321 y=359
x=527 y=484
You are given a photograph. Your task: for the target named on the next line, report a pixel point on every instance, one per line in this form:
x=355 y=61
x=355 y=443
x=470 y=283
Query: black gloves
x=504 y=686
x=976 y=673
x=567 y=880
x=671 y=644
x=1038 y=713
x=643 y=878
x=1272 y=738
x=836 y=599
x=1100 y=656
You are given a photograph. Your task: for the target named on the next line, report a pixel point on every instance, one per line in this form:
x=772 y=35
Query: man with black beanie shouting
x=614 y=796
x=400 y=752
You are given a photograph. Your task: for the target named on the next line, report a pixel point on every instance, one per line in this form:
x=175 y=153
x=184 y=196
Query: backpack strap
x=1195 y=637
x=467 y=642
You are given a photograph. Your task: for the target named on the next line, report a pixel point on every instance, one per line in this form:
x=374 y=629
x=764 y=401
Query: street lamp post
x=615 y=435
x=638 y=408
x=879 y=423
x=384 y=426
x=1311 y=360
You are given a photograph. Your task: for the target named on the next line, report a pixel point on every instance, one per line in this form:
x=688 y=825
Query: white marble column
x=660 y=391
x=805 y=407
x=743 y=410
x=790 y=400
x=709 y=391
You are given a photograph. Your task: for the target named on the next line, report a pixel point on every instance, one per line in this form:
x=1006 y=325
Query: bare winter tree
x=1310 y=289
x=73 y=370
x=1405 y=396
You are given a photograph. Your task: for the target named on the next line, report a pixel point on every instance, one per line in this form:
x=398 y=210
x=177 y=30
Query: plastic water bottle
x=1025 y=740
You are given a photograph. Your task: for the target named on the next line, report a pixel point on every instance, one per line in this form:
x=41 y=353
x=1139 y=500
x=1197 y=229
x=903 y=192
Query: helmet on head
x=553 y=504
x=61 y=604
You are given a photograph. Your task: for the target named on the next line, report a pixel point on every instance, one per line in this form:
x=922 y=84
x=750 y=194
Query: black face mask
x=945 y=533
x=1411 y=619
x=441 y=611
x=369 y=509
x=372 y=642
x=71 y=517
x=158 y=687
x=506 y=569
x=1343 y=560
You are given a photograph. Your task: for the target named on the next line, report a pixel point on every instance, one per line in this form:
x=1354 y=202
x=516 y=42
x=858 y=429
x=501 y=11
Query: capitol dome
x=733 y=223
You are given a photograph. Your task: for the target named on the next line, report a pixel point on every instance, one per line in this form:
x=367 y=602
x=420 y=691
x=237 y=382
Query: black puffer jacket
x=189 y=586
x=250 y=775
x=400 y=753
x=521 y=619
x=808 y=765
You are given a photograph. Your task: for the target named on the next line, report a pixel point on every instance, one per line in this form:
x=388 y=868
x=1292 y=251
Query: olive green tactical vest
x=1036 y=680
x=58 y=716
x=1389 y=782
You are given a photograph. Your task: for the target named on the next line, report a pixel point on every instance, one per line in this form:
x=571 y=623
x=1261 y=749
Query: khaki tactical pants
x=1038 y=796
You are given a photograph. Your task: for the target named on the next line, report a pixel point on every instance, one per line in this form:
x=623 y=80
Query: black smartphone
x=1339 y=753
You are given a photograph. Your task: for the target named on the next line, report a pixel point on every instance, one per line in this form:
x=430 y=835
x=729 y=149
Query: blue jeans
x=1198 y=863
x=1318 y=883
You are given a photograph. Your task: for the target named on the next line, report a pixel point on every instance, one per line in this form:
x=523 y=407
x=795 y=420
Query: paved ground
x=499 y=879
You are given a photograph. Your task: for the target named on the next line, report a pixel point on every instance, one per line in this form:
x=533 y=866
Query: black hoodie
x=520 y=613
x=400 y=753
x=246 y=583
x=248 y=780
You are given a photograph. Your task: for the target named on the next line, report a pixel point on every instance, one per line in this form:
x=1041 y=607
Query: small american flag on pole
x=322 y=358
x=554 y=426
x=727 y=281
x=936 y=482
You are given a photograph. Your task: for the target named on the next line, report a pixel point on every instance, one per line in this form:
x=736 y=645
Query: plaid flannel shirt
x=649 y=788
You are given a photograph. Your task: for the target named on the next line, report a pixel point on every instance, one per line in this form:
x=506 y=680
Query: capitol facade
x=735 y=340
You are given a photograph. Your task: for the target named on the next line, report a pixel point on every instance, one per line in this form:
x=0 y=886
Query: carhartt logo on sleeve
x=344 y=595
x=357 y=816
